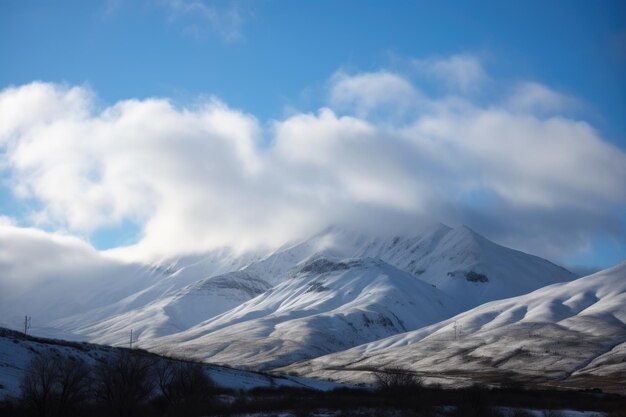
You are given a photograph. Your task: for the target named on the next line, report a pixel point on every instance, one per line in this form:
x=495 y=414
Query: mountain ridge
x=564 y=334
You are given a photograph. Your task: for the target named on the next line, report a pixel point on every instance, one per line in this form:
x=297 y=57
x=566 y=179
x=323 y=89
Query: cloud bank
x=380 y=155
x=40 y=270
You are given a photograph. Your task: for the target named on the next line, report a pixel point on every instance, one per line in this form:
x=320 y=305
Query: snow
x=328 y=305
x=558 y=332
x=16 y=352
x=70 y=291
x=179 y=310
x=439 y=255
x=268 y=310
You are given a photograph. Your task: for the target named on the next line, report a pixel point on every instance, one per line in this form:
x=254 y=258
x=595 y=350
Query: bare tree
x=123 y=382
x=37 y=385
x=184 y=385
x=54 y=384
x=73 y=384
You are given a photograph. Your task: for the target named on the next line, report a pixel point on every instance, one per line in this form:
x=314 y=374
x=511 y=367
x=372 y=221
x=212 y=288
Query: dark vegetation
x=476 y=277
x=419 y=401
x=324 y=265
x=135 y=383
x=125 y=383
x=396 y=380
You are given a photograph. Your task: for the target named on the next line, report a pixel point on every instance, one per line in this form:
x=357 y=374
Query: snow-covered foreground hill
x=16 y=352
x=285 y=396
x=568 y=334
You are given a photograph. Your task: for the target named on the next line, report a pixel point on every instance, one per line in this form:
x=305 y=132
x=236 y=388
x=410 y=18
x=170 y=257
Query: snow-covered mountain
x=326 y=305
x=330 y=292
x=570 y=334
x=465 y=266
x=462 y=263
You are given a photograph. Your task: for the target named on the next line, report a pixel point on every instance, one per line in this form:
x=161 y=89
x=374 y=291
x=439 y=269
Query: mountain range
x=444 y=301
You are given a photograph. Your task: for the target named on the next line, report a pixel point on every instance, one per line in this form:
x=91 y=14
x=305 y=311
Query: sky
x=165 y=127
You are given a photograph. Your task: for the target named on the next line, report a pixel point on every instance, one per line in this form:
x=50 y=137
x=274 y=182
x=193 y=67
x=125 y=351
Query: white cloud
x=7 y=221
x=528 y=161
x=463 y=72
x=52 y=275
x=376 y=92
x=347 y=159
x=196 y=178
x=532 y=97
x=29 y=254
x=32 y=262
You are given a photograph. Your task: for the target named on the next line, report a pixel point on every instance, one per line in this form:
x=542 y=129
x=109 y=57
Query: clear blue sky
x=136 y=48
x=265 y=56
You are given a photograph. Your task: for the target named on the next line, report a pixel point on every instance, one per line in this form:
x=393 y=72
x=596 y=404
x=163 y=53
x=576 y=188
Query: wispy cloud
x=533 y=97
x=110 y=7
x=463 y=72
x=197 y=16
x=366 y=93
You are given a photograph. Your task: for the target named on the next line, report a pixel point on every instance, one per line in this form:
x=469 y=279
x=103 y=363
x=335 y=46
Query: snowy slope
x=325 y=306
x=68 y=284
x=176 y=311
x=16 y=352
x=556 y=333
x=466 y=266
x=179 y=310
x=157 y=281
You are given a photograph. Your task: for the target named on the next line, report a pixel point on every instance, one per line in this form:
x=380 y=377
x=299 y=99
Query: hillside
x=568 y=334
x=16 y=351
x=327 y=305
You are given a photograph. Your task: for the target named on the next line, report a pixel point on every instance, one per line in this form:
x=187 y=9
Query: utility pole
x=26 y=324
x=131 y=338
x=457 y=330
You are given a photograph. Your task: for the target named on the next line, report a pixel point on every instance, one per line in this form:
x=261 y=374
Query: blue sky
x=273 y=59
x=141 y=48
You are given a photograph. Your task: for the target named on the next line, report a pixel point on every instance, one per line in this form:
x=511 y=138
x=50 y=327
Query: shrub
x=390 y=379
